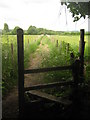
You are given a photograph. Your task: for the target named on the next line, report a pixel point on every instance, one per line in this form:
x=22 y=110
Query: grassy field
x=57 y=56
x=74 y=42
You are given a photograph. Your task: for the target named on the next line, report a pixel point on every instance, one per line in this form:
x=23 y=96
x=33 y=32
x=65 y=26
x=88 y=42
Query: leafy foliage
x=6 y=28
x=14 y=31
x=32 y=30
x=78 y=9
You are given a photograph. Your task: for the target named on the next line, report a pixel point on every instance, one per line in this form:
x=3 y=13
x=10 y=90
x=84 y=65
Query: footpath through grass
x=57 y=56
x=9 y=58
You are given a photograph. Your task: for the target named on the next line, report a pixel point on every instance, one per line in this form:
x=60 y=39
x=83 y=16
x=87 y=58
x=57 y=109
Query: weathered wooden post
x=72 y=57
x=57 y=43
x=28 y=41
x=68 y=45
x=12 y=51
x=81 y=51
x=76 y=97
x=20 y=70
x=76 y=70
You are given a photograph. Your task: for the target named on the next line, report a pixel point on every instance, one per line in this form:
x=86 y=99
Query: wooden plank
x=48 y=97
x=48 y=85
x=20 y=50
x=47 y=69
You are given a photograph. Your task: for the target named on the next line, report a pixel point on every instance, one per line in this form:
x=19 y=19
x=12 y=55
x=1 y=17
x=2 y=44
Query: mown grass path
x=10 y=103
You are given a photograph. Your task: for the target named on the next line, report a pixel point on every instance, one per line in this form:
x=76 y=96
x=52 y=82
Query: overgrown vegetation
x=59 y=55
x=9 y=58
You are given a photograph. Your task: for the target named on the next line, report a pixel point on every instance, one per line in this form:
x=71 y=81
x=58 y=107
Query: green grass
x=9 y=64
x=59 y=57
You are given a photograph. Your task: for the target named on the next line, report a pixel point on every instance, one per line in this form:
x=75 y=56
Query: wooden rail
x=47 y=69
x=48 y=85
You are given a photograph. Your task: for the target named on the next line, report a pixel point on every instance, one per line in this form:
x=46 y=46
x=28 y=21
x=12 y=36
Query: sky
x=47 y=14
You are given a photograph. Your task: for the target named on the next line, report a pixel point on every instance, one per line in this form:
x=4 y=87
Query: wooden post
x=76 y=98
x=12 y=52
x=68 y=45
x=57 y=43
x=28 y=41
x=76 y=70
x=20 y=70
x=81 y=51
x=72 y=57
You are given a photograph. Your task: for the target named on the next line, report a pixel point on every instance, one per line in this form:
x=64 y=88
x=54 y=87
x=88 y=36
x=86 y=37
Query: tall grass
x=59 y=57
x=9 y=66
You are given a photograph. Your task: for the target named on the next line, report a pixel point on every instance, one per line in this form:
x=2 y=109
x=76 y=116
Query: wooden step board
x=49 y=97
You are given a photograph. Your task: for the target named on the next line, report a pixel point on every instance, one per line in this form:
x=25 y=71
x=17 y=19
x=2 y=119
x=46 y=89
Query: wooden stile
x=77 y=67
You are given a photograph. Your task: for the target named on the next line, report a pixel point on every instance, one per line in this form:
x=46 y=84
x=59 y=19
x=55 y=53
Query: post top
x=81 y=29
x=19 y=31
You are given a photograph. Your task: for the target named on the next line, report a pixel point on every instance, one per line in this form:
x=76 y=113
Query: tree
x=78 y=9
x=14 y=31
x=32 y=30
x=6 y=28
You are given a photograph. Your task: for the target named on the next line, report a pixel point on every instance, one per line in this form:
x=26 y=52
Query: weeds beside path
x=36 y=60
x=10 y=103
